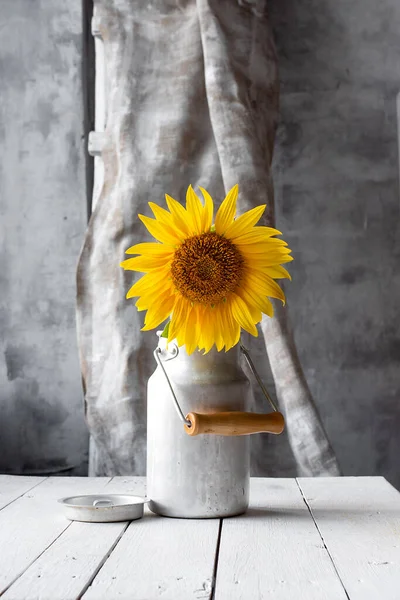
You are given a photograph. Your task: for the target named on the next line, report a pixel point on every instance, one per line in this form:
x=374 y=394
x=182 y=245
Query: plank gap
x=23 y=493
x=322 y=538
x=2 y=592
x=214 y=576
x=103 y=562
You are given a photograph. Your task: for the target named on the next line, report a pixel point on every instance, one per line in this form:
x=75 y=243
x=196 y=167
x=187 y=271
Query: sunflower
x=210 y=279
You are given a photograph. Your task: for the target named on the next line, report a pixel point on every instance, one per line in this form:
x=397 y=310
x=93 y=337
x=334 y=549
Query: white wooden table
x=305 y=539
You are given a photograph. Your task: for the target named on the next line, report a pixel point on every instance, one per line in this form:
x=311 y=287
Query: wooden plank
x=359 y=520
x=33 y=522
x=100 y=108
x=100 y=76
x=67 y=567
x=158 y=557
x=96 y=143
x=275 y=550
x=13 y=486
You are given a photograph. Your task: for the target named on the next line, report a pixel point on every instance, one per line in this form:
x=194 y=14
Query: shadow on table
x=320 y=513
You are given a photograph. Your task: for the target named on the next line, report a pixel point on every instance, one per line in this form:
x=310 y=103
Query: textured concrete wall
x=336 y=177
x=42 y=222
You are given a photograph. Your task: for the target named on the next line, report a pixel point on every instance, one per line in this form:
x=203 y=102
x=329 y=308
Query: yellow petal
x=278 y=272
x=264 y=285
x=166 y=218
x=227 y=211
x=259 y=301
x=145 y=263
x=267 y=307
x=229 y=327
x=194 y=209
x=268 y=259
x=150 y=248
x=179 y=215
x=142 y=303
x=208 y=210
x=191 y=331
x=219 y=332
x=252 y=306
x=206 y=333
x=271 y=245
x=232 y=326
x=257 y=234
x=160 y=231
x=179 y=317
x=157 y=291
x=245 y=222
x=242 y=314
x=158 y=312
x=155 y=279
x=255 y=312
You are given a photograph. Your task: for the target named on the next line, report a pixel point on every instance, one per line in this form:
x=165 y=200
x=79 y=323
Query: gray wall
x=42 y=221
x=336 y=178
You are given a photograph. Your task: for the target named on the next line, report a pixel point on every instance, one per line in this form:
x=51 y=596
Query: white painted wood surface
x=160 y=558
x=326 y=538
x=13 y=487
x=275 y=550
x=65 y=570
x=359 y=521
x=30 y=524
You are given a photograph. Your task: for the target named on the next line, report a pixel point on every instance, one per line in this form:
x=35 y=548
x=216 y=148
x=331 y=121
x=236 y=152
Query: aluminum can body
x=204 y=476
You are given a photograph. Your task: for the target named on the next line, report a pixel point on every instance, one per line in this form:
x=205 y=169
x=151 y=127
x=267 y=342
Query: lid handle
x=101 y=502
x=234 y=423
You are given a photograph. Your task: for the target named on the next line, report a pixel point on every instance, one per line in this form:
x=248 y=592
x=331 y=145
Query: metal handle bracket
x=256 y=375
x=157 y=355
x=173 y=353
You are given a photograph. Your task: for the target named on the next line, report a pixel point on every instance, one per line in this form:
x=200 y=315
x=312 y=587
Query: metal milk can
x=198 y=451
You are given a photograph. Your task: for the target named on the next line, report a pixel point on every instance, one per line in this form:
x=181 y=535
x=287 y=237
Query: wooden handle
x=235 y=423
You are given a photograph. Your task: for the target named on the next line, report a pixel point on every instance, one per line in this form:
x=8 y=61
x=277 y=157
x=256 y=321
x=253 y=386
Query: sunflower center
x=206 y=268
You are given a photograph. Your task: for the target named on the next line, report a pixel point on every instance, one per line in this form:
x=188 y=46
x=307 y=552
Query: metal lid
x=102 y=508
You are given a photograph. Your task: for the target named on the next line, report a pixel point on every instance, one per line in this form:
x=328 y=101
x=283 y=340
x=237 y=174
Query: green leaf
x=166 y=330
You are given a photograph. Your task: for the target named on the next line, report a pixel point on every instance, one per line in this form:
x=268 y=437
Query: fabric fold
x=192 y=99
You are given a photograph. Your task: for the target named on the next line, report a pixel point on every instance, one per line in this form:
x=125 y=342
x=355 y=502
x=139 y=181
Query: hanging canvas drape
x=192 y=97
